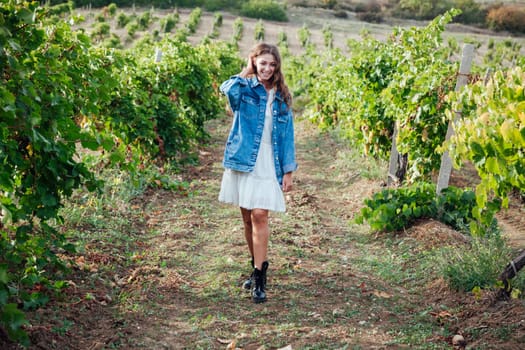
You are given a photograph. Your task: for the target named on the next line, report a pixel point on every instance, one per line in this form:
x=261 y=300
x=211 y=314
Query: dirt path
x=331 y=284
x=164 y=270
x=316 y=296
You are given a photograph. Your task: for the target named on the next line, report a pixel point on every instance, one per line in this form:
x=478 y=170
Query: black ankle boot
x=264 y=269
x=259 y=277
x=248 y=283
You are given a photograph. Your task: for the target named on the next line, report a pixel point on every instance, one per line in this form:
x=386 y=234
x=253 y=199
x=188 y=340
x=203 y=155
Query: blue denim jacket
x=247 y=98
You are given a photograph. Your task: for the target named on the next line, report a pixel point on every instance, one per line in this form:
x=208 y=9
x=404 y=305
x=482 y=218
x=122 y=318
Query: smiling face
x=265 y=66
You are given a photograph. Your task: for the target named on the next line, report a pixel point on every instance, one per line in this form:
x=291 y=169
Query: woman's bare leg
x=260 y=236
x=248 y=228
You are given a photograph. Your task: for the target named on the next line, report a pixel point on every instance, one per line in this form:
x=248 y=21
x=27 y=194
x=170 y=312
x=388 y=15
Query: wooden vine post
x=511 y=270
x=393 y=165
x=446 y=162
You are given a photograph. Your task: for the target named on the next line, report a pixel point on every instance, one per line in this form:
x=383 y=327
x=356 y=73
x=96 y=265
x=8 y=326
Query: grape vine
x=61 y=94
x=491 y=135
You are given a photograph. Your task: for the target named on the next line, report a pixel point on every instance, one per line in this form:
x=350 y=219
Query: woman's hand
x=249 y=69
x=287 y=182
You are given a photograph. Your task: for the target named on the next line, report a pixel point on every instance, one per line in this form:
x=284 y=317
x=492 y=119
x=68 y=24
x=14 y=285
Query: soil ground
x=328 y=288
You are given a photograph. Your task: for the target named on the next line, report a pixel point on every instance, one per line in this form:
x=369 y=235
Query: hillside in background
x=315 y=19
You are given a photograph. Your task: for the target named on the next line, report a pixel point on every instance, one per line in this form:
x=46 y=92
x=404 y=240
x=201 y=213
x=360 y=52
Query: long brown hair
x=278 y=77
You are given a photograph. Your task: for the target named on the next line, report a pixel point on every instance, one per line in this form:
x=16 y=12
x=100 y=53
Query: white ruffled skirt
x=256 y=190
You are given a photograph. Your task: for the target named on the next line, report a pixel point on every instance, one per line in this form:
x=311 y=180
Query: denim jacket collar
x=254 y=82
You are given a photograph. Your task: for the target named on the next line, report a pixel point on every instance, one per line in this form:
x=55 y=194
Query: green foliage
x=169 y=22
x=112 y=42
x=471 y=12
x=59 y=95
x=101 y=31
x=141 y=3
x=491 y=135
x=396 y=209
x=122 y=20
x=216 y=5
x=454 y=207
x=477 y=265
x=132 y=28
x=182 y=34
x=423 y=77
x=259 y=31
x=328 y=36
x=210 y=5
x=421 y=9
x=502 y=53
x=100 y=18
x=497 y=16
x=359 y=109
x=144 y=20
x=217 y=23
x=112 y=10
x=263 y=9
x=60 y=9
x=194 y=20
x=282 y=39
x=217 y=20
x=158 y=106
x=43 y=102
x=400 y=81
x=14 y=320
x=238 y=29
x=44 y=94
x=304 y=34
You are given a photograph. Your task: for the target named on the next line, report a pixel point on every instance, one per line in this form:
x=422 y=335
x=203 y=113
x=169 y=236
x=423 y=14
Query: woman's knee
x=259 y=216
x=246 y=217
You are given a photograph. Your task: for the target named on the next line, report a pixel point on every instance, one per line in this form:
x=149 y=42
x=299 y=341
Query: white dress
x=258 y=189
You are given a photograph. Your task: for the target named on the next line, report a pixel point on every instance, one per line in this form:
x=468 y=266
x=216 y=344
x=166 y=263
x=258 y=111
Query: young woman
x=259 y=157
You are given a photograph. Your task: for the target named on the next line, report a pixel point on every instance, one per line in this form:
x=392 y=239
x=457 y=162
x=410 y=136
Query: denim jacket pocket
x=249 y=106
x=283 y=118
x=232 y=145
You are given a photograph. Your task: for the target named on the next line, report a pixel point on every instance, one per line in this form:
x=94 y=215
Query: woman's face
x=265 y=66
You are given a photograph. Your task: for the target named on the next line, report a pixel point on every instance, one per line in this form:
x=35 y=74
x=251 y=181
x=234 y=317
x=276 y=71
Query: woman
x=259 y=157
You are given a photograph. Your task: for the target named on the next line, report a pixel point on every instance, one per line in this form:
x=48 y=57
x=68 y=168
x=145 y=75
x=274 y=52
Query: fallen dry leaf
x=441 y=314
x=381 y=294
x=232 y=345
x=287 y=347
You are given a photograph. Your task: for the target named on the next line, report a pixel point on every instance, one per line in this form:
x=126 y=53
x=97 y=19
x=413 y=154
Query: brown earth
x=163 y=307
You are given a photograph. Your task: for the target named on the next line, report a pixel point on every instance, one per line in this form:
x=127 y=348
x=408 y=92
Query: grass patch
x=478 y=265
